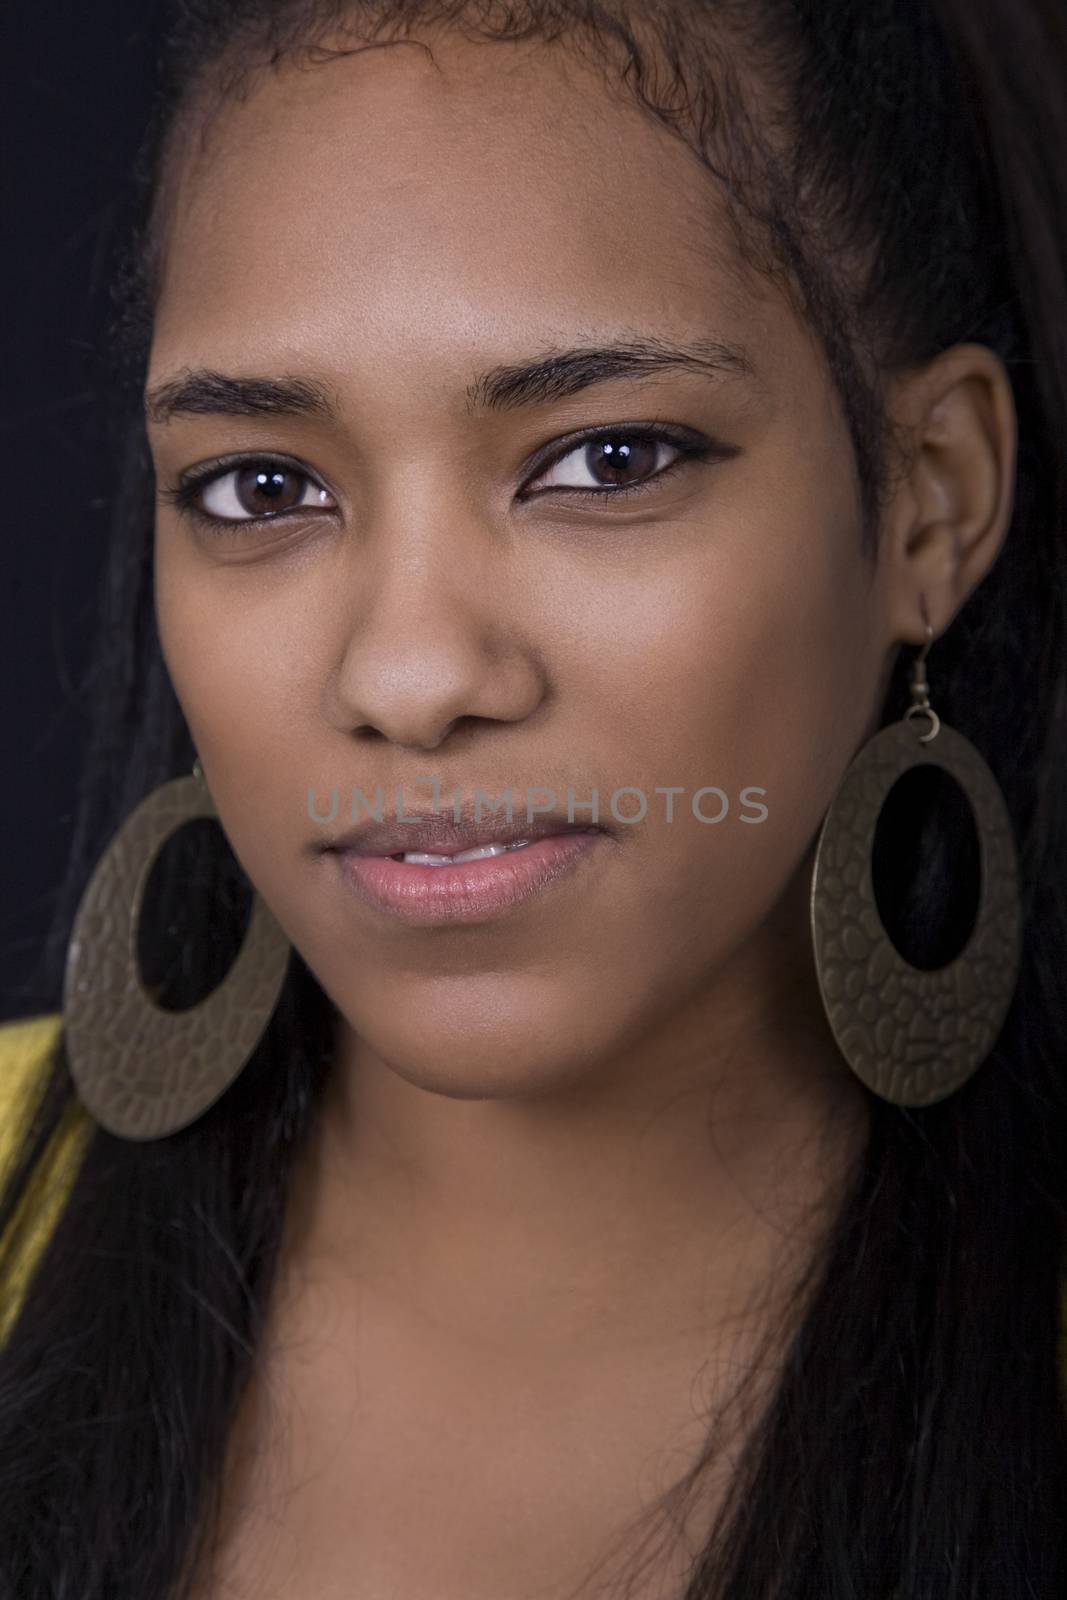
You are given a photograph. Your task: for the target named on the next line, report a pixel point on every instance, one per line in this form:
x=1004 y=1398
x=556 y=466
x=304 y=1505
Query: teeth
x=421 y=859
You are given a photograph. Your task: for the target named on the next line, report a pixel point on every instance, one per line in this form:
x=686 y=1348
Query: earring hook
x=920 y=688
x=924 y=652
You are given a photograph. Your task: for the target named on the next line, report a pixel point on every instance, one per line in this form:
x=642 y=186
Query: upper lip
x=438 y=833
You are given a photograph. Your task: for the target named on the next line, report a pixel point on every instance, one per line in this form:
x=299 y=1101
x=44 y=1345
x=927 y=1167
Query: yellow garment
x=25 y=1048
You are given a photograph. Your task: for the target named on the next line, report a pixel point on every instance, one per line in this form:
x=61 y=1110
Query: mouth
x=472 y=883
x=482 y=852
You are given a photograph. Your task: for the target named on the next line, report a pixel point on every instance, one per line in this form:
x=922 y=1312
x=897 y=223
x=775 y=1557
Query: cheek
x=235 y=674
x=746 y=676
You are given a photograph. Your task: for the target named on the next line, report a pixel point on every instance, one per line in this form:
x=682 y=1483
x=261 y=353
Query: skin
x=569 y=1155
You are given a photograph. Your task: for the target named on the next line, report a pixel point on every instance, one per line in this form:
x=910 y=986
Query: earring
x=141 y=1071
x=913 y=1036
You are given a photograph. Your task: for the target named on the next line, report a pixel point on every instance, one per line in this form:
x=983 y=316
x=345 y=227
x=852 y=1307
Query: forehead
x=393 y=195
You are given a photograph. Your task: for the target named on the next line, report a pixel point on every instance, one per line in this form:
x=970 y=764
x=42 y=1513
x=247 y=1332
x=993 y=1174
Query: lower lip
x=471 y=891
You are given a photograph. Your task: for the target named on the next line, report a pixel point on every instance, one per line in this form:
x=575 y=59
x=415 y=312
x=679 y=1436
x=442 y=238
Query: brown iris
x=612 y=459
x=261 y=489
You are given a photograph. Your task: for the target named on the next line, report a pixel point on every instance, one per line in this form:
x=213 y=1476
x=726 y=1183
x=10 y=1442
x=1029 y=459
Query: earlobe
x=951 y=512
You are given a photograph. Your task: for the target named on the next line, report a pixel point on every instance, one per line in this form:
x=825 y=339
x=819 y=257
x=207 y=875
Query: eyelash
x=183 y=495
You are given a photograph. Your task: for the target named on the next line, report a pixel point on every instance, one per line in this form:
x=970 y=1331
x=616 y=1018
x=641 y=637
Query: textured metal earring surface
x=912 y=1035
x=141 y=1071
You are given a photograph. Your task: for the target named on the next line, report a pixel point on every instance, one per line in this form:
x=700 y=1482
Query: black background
x=76 y=92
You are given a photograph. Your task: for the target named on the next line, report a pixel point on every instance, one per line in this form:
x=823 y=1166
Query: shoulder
x=26 y=1050
x=29 y=1037
x=26 y=1047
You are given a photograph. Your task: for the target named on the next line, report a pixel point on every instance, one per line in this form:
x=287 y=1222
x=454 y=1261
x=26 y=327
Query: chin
x=486 y=1046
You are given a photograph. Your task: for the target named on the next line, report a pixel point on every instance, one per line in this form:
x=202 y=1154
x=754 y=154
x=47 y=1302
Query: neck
x=647 y=1201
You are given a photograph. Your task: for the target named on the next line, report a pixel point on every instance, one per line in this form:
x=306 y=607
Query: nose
x=431 y=643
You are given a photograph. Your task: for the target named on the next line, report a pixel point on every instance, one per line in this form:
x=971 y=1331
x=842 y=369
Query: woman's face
x=451 y=601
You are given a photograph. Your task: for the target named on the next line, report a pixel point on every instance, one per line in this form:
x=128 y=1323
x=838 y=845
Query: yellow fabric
x=26 y=1047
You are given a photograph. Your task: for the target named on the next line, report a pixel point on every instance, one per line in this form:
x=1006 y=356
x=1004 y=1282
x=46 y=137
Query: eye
x=601 y=464
x=249 y=490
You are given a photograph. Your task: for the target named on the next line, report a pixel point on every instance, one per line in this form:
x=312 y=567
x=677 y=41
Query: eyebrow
x=542 y=379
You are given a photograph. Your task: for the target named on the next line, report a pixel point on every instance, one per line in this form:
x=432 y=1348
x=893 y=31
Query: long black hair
x=910 y=193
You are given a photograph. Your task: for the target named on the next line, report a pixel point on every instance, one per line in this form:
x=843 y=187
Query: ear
x=951 y=506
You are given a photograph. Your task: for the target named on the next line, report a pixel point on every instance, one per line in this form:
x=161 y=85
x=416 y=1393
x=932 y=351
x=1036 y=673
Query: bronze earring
x=141 y=1071
x=913 y=1036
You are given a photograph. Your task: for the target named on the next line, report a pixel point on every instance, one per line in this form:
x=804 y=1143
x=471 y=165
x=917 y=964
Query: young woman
x=656 y=414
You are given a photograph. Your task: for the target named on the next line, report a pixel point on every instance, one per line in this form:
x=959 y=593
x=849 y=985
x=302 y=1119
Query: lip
x=472 y=891
x=434 y=833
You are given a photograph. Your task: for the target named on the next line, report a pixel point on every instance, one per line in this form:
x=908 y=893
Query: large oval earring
x=912 y=1035
x=141 y=1071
